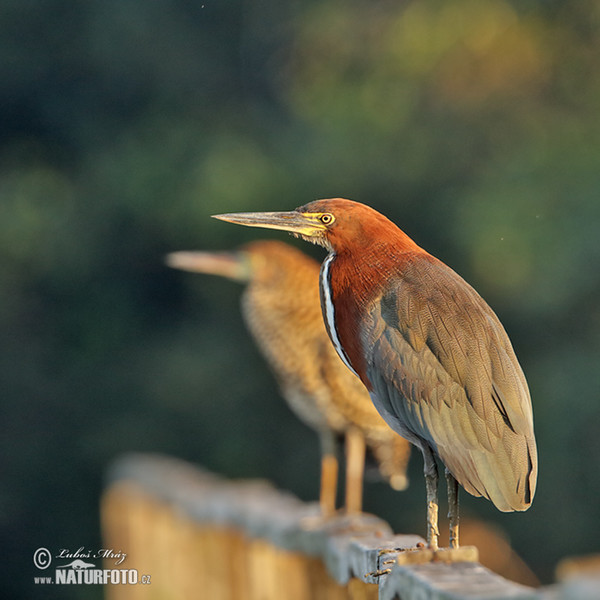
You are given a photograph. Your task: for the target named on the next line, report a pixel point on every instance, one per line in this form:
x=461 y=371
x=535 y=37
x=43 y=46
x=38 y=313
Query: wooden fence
x=191 y=534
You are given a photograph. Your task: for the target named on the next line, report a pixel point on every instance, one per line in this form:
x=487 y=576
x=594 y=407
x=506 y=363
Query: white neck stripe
x=330 y=311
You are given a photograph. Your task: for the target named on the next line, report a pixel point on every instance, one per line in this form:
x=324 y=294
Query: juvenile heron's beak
x=304 y=224
x=232 y=265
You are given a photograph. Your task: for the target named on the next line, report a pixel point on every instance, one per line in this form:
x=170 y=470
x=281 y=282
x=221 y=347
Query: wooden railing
x=191 y=534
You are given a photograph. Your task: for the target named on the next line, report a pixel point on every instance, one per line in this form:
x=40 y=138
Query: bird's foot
x=421 y=554
x=342 y=522
x=318 y=519
x=384 y=566
x=425 y=554
x=386 y=557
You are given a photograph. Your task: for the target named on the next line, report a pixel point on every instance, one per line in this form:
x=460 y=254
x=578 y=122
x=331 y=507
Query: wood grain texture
x=199 y=535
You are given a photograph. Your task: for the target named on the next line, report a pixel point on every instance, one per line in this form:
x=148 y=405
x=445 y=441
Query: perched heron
x=435 y=358
x=282 y=310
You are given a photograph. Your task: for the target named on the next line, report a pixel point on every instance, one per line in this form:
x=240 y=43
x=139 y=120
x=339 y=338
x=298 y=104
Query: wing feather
x=444 y=373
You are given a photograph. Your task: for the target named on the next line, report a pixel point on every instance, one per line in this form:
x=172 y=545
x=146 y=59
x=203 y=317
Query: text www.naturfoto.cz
x=94 y=576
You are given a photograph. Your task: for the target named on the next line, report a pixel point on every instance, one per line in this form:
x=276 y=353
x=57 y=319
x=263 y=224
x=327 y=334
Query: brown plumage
x=459 y=380
x=282 y=310
x=436 y=359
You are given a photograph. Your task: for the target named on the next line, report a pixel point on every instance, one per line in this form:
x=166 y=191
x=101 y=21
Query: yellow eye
x=326 y=219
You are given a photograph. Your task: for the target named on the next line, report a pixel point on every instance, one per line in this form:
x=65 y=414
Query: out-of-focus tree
x=472 y=124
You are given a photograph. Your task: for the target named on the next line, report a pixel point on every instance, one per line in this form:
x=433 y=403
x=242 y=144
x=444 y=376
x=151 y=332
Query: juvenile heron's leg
x=431 y=485
x=355 y=468
x=453 y=517
x=329 y=474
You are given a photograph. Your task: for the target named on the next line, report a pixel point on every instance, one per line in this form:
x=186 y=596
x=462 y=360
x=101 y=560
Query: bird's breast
x=342 y=313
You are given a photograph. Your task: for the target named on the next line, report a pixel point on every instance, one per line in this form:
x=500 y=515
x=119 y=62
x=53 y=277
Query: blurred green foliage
x=474 y=125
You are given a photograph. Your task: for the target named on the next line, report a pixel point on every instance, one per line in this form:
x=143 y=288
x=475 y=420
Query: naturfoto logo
x=80 y=571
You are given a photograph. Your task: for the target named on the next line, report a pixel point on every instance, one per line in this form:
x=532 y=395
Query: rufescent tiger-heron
x=435 y=358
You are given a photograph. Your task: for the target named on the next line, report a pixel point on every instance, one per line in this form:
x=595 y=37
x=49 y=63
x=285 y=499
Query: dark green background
x=124 y=124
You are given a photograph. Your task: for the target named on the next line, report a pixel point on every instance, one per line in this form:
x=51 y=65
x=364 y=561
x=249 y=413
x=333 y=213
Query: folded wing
x=442 y=367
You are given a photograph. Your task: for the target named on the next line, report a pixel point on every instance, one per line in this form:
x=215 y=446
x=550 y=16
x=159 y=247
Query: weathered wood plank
x=449 y=581
x=199 y=535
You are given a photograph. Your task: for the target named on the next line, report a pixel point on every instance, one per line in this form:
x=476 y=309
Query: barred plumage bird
x=281 y=308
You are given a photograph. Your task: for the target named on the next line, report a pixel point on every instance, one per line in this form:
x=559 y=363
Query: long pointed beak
x=226 y=264
x=294 y=222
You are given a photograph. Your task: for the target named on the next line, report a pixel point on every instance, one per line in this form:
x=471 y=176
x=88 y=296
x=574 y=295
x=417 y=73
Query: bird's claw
x=389 y=551
x=384 y=571
x=378 y=573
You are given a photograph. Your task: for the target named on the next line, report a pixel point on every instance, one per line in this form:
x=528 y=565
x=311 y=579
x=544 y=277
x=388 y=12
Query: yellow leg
x=329 y=477
x=355 y=468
